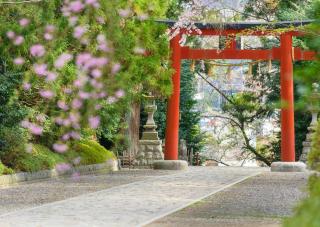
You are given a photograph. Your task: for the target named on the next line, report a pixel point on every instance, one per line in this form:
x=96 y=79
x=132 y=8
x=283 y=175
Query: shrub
x=5 y=170
x=91 y=152
x=41 y=158
x=12 y=144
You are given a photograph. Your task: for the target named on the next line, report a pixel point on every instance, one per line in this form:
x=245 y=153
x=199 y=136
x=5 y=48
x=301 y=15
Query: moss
x=41 y=158
x=91 y=152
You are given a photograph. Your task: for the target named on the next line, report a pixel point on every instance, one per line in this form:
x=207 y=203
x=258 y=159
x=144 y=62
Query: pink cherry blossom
x=26 y=86
x=75 y=135
x=19 y=61
x=94 y=121
x=62 y=60
x=11 y=34
x=96 y=73
x=76 y=6
x=62 y=167
x=47 y=94
x=37 y=50
x=35 y=129
x=79 y=31
x=65 y=137
x=91 y=2
x=120 y=93
x=124 y=12
x=76 y=104
x=40 y=69
x=62 y=105
x=50 y=28
x=84 y=95
x=73 y=21
x=24 y=22
x=51 y=76
x=48 y=36
x=60 y=148
x=115 y=68
x=18 y=40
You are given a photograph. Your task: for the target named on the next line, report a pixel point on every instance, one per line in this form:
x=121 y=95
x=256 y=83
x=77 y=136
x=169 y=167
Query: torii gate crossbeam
x=286 y=54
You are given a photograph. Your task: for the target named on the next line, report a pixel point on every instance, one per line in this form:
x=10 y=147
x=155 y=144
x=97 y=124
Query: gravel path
x=132 y=204
x=31 y=194
x=259 y=201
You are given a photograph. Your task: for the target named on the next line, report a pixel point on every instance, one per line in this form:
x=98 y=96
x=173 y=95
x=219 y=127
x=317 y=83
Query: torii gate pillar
x=173 y=112
x=287 y=99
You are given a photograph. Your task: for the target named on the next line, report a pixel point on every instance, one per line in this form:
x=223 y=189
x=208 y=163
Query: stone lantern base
x=149 y=151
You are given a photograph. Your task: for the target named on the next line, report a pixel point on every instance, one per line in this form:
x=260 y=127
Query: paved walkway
x=133 y=204
x=261 y=201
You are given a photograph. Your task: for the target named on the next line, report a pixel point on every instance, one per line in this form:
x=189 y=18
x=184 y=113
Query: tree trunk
x=133 y=128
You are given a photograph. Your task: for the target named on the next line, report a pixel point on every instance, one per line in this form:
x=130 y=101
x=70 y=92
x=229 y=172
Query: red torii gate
x=286 y=54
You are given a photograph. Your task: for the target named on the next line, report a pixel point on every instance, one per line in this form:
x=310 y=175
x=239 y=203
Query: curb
x=6 y=180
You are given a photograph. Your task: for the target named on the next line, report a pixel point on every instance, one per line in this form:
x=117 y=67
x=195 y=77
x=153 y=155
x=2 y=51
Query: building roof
x=243 y=25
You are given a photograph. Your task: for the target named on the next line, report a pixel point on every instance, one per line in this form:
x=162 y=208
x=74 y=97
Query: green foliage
x=5 y=170
x=92 y=152
x=41 y=158
x=190 y=116
x=12 y=144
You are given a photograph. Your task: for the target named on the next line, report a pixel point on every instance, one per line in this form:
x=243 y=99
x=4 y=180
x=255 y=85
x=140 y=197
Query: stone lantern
x=150 y=146
x=314 y=109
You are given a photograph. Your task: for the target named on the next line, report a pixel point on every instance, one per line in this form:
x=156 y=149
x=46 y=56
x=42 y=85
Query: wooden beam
x=273 y=54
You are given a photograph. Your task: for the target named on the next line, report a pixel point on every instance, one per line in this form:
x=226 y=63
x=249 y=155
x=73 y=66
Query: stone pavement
x=133 y=204
x=261 y=201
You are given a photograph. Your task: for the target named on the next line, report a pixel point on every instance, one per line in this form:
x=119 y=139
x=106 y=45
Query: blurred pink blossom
x=59 y=147
x=48 y=36
x=62 y=105
x=124 y=12
x=116 y=68
x=79 y=31
x=37 y=50
x=94 y=121
x=40 y=69
x=50 y=28
x=18 y=40
x=46 y=94
x=62 y=60
x=76 y=6
x=24 y=22
x=96 y=73
x=26 y=86
x=35 y=129
x=62 y=167
x=76 y=104
x=73 y=21
x=19 y=61
x=51 y=76
x=11 y=34
x=75 y=135
x=120 y=93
